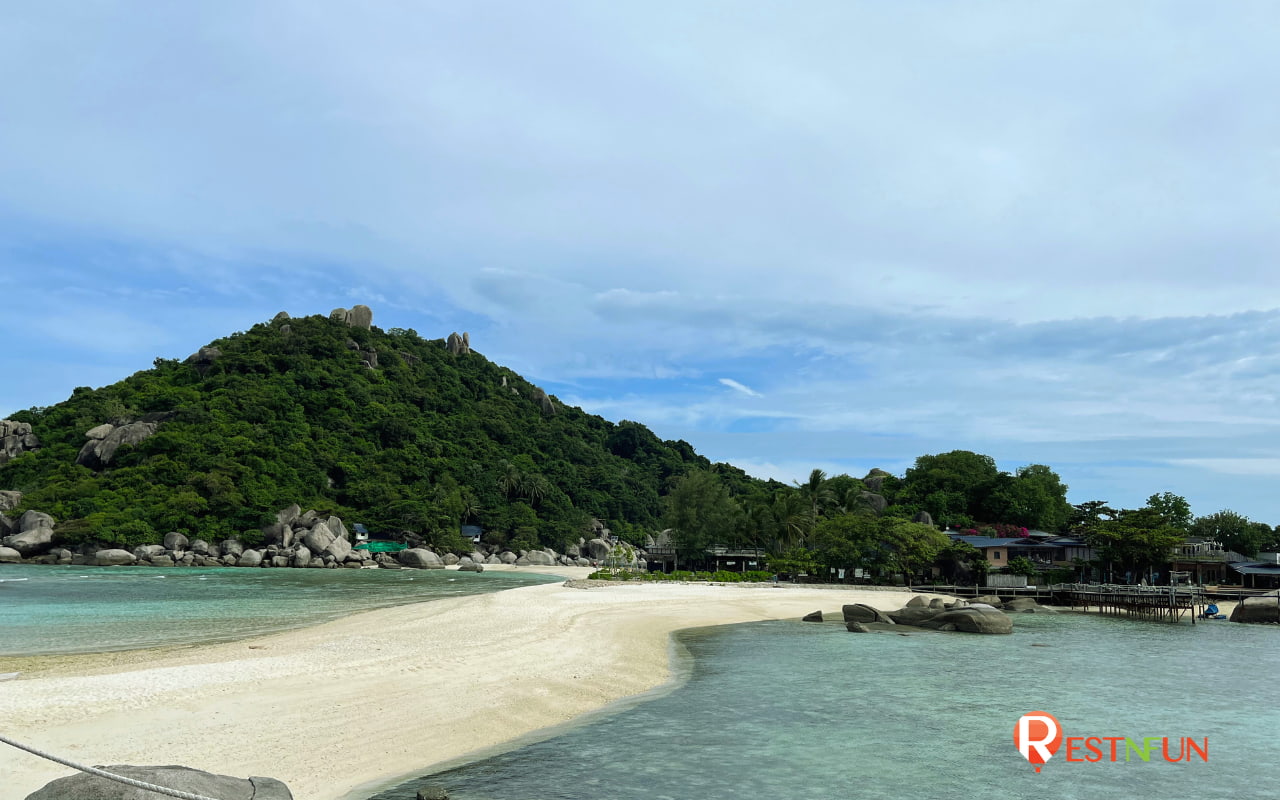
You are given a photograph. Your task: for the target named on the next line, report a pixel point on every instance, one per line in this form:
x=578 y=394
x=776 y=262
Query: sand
x=347 y=707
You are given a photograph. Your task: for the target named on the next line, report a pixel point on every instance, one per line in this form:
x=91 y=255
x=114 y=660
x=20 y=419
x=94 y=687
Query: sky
x=829 y=234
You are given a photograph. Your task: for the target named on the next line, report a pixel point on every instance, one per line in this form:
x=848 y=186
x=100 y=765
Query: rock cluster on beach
x=297 y=539
x=935 y=614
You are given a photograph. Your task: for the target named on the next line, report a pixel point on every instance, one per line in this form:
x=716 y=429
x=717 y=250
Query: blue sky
x=834 y=234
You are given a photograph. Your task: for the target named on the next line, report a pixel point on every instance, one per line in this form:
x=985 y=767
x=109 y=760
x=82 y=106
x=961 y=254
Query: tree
x=1233 y=531
x=1174 y=508
x=950 y=484
x=700 y=512
x=817 y=497
x=1137 y=540
x=1035 y=498
x=1086 y=518
x=1021 y=565
x=962 y=562
x=909 y=546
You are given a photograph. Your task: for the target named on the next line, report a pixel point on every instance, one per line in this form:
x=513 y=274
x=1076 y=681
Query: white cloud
x=738 y=387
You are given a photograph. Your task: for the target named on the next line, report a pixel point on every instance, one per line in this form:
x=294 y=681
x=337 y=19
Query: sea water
x=796 y=711
x=90 y=609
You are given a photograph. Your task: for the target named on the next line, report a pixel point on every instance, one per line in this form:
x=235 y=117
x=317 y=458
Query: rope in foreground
x=104 y=774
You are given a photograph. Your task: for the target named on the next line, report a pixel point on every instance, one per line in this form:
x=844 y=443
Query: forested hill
x=381 y=427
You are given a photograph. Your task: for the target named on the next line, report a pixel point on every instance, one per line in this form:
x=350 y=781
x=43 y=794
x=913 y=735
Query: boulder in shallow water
x=184 y=779
x=1020 y=604
x=861 y=612
x=815 y=616
x=1257 y=609
x=972 y=620
x=31 y=542
x=113 y=558
x=9 y=556
x=420 y=558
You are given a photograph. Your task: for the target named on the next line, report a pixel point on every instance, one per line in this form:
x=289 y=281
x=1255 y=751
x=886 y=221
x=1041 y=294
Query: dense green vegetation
x=425 y=442
x=430 y=440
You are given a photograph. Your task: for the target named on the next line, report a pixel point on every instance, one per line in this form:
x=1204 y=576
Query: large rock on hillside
x=972 y=620
x=31 y=543
x=203 y=359
x=183 y=779
x=339 y=548
x=97 y=453
x=420 y=558
x=360 y=316
x=16 y=438
x=9 y=500
x=176 y=541
x=458 y=345
x=287 y=515
x=874 y=479
x=337 y=528
x=538 y=558
x=876 y=502
x=1257 y=609
x=301 y=557
x=278 y=533
x=31 y=520
x=113 y=558
x=597 y=549
x=250 y=558
x=319 y=537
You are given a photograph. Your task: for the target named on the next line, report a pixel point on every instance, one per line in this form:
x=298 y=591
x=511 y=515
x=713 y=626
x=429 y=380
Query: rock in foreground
x=194 y=781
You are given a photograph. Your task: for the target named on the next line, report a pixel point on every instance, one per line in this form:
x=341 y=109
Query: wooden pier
x=1152 y=603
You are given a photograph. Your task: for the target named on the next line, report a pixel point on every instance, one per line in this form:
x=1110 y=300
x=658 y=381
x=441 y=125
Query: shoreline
x=347 y=707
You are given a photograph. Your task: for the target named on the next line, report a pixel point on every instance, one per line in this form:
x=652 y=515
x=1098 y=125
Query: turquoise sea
x=785 y=710
x=797 y=711
x=89 y=609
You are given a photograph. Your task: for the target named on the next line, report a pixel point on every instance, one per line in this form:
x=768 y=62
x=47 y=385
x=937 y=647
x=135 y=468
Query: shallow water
x=88 y=609
x=795 y=711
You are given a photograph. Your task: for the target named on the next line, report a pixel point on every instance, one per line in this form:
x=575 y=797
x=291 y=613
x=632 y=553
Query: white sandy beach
x=358 y=702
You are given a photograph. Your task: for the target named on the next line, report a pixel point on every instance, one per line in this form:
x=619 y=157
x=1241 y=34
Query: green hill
x=382 y=427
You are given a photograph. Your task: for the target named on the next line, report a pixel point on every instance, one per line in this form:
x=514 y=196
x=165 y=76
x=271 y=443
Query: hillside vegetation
x=292 y=412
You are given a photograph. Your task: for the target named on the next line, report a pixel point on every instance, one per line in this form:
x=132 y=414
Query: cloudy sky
x=821 y=234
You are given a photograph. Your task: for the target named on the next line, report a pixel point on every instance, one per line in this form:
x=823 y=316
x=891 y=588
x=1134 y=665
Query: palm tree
x=790 y=521
x=817 y=496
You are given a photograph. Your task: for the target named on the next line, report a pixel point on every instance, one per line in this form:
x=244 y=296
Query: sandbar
x=343 y=708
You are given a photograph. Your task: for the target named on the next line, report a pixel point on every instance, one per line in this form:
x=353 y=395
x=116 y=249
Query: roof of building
x=982 y=542
x=1256 y=568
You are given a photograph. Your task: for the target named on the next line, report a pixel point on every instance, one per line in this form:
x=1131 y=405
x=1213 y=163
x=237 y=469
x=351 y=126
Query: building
x=1205 y=561
x=1261 y=574
x=998 y=551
